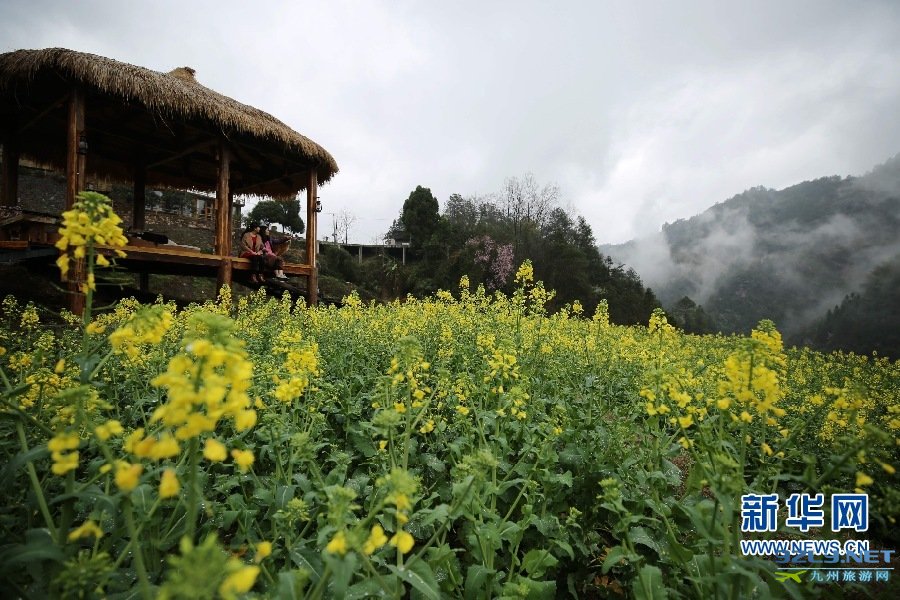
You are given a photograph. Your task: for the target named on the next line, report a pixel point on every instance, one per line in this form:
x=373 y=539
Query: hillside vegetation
x=789 y=255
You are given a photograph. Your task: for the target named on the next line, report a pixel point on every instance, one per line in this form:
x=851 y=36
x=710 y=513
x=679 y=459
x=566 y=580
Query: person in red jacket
x=252 y=248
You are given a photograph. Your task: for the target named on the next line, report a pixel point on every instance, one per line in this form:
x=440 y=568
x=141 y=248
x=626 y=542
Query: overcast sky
x=641 y=112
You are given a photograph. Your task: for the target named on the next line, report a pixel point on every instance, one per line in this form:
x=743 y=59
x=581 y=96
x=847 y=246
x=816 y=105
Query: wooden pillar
x=76 y=158
x=312 y=194
x=229 y=227
x=223 y=218
x=9 y=188
x=138 y=218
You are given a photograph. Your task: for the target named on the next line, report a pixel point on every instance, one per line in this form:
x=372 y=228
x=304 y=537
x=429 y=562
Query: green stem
x=320 y=585
x=31 y=420
x=36 y=486
x=193 y=498
x=138 y=553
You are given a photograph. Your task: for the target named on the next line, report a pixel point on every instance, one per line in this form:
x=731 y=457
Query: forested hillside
x=789 y=255
x=485 y=238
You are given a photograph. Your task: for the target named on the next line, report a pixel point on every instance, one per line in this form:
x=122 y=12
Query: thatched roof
x=168 y=121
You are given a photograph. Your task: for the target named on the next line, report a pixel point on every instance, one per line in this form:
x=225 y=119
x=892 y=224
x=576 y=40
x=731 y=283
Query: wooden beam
x=223 y=218
x=9 y=178
x=74 y=160
x=75 y=165
x=312 y=195
x=189 y=150
x=287 y=177
x=44 y=113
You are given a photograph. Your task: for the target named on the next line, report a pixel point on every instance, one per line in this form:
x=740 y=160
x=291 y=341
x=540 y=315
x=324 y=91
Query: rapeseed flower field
x=466 y=445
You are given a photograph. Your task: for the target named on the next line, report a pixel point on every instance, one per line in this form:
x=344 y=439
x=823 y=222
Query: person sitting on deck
x=273 y=262
x=252 y=248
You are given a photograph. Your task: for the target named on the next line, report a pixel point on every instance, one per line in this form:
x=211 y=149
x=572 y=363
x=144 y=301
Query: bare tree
x=344 y=222
x=527 y=203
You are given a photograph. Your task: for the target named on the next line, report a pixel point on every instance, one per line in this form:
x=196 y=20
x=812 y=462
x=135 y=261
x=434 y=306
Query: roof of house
x=168 y=122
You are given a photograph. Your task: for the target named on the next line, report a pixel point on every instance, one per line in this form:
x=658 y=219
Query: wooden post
x=9 y=189
x=312 y=194
x=223 y=219
x=229 y=228
x=225 y=269
x=75 y=165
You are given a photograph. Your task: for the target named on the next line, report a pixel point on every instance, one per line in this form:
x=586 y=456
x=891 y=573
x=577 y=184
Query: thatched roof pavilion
x=91 y=115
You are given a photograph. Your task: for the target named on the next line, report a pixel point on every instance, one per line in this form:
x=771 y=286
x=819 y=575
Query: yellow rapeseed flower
x=109 y=429
x=239 y=582
x=263 y=551
x=863 y=480
x=88 y=528
x=168 y=485
x=245 y=419
x=214 y=451
x=338 y=544
x=403 y=541
x=243 y=459
x=165 y=447
x=128 y=475
x=376 y=540
x=63 y=441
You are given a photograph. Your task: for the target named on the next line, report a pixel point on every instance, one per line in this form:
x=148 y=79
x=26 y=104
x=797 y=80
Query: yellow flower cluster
x=399 y=485
x=91 y=221
x=206 y=383
x=753 y=376
x=300 y=366
x=63 y=461
x=147 y=326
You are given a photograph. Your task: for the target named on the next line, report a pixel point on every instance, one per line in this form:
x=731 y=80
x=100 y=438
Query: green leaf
x=92 y=496
x=434 y=463
x=38 y=546
x=291 y=584
x=639 y=535
x=365 y=589
x=649 y=584
x=536 y=590
x=342 y=569
x=537 y=561
x=615 y=555
x=440 y=513
x=566 y=547
x=419 y=575
x=477 y=577
x=308 y=560
x=19 y=460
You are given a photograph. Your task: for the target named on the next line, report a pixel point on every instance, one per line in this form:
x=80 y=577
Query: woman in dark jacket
x=273 y=262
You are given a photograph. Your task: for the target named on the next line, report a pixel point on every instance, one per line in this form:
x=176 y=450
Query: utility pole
x=334 y=222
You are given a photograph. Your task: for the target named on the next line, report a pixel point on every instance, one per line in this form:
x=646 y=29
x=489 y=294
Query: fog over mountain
x=789 y=255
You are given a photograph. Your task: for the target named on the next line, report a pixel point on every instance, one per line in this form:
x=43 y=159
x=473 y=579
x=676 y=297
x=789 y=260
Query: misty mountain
x=788 y=255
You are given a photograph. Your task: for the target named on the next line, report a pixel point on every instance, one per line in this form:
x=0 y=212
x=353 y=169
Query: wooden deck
x=166 y=259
